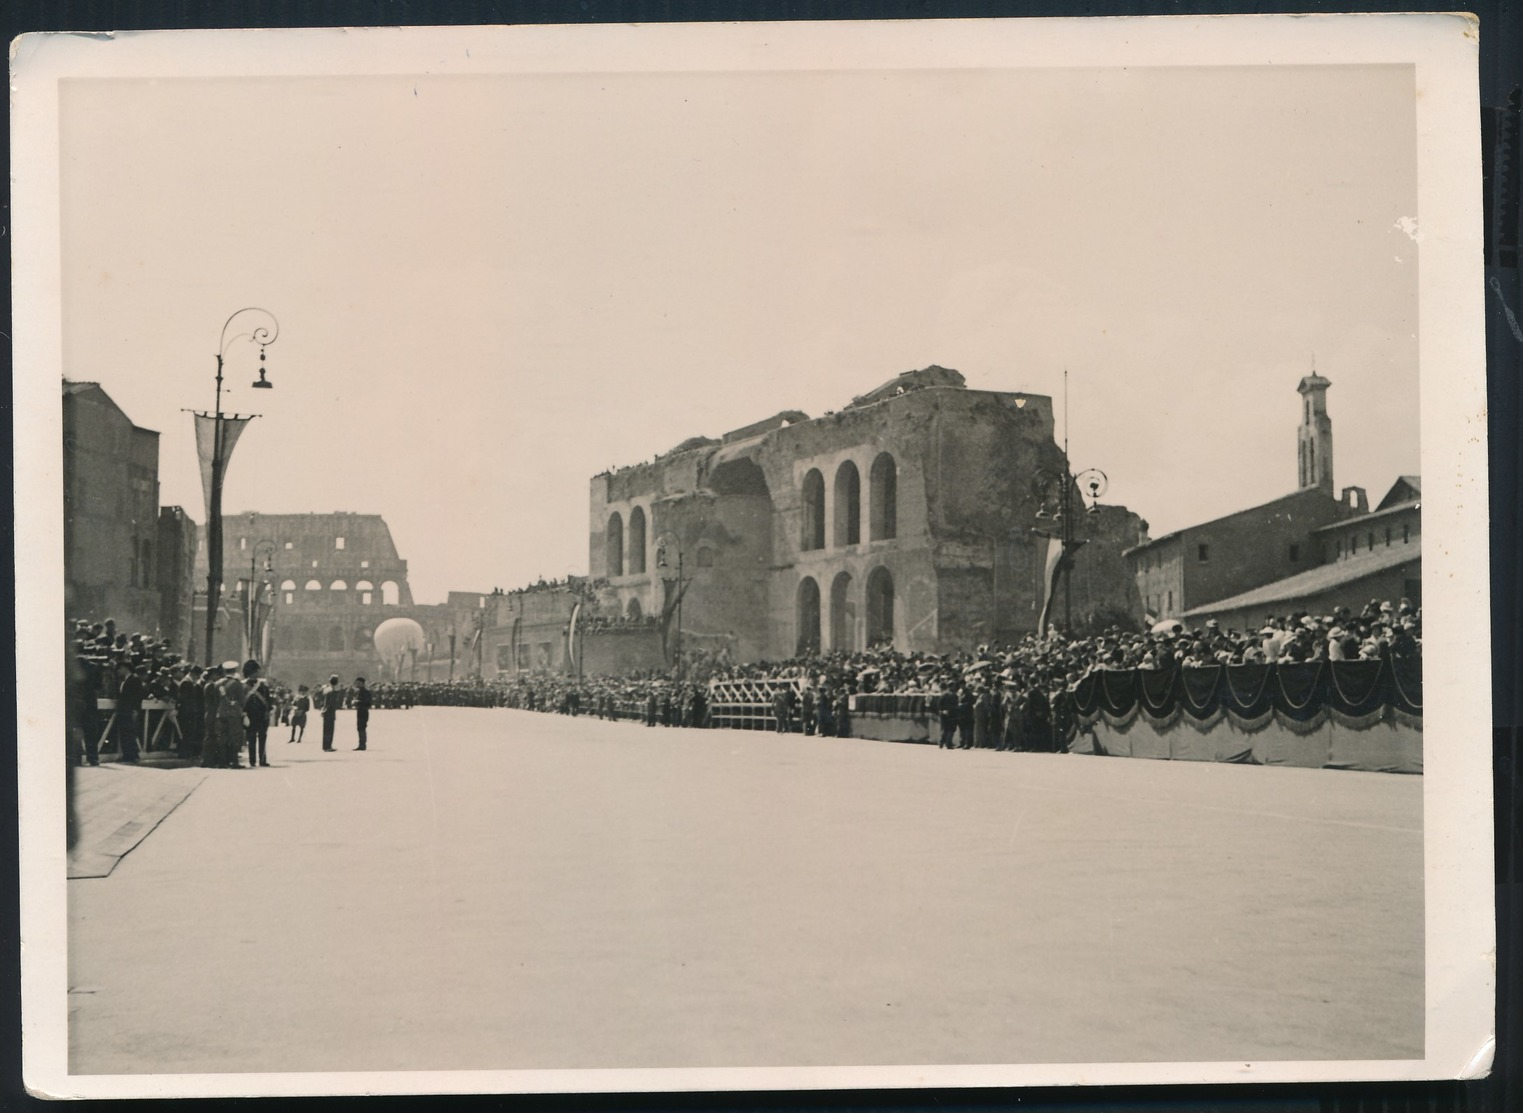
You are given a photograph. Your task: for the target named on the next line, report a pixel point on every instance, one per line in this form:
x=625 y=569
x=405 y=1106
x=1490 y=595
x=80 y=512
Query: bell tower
x=1314 y=440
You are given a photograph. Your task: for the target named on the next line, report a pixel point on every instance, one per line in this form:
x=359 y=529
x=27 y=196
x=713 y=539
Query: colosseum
x=906 y=517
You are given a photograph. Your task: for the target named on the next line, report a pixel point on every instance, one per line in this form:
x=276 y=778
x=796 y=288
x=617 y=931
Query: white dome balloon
x=396 y=638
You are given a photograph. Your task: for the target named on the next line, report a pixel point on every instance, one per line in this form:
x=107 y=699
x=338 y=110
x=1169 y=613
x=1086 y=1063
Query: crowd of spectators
x=208 y=714
x=1002 y=697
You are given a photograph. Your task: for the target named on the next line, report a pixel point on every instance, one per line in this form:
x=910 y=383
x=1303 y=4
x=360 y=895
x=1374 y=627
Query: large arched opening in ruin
x=637 y=541
x=848 y=505
x=880 y=607
x=883 y=505
x=813 y=497
x=615 y=542
x=842 y=613
x=807 y=611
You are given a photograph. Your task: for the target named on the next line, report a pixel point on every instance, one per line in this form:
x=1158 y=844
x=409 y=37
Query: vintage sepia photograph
x=751 y=556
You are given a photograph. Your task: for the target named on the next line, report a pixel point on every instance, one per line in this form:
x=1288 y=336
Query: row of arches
x=614 y=539
x=882 y=507
x=312 y=638
x=879 y=604
x=391 y=594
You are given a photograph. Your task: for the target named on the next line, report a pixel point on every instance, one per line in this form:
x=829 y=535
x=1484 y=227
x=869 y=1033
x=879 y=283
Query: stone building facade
x=1363 y=557
x=904 y=518
x=125 y=557
x=1244 y=565
x=324 y=581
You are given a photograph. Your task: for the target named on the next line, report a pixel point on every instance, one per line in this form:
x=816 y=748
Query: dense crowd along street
x=1001 y=697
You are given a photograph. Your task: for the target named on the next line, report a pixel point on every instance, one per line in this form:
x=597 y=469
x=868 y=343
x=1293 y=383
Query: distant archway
x=807 y=613
x=883 y=506
x=391 y=595
x=336 y=639
x=848 y=505
x=615 y=544
x=880 y=607
x=637 y=541
x=633 y=609
x=366 y=590
x=812 y=532
x=843 y=613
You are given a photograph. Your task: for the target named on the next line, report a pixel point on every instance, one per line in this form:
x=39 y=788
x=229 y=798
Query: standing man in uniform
x=231 y=717
x=361 y=701
x=332 y=697
x=211 y=735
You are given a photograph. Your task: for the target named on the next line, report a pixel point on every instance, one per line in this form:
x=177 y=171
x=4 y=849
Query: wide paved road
x=489 y=889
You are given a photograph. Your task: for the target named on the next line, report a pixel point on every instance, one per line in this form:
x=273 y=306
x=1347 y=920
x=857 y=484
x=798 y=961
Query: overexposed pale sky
x=492 y=287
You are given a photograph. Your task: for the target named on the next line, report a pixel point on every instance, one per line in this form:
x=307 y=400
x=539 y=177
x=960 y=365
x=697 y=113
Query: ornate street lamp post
x=1055 y=492
x=216 y=434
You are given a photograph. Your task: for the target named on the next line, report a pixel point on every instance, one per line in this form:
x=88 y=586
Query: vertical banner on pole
x=211 y=455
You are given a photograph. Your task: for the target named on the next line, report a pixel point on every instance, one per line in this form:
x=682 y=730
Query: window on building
x=614 y=544
x=1295 y=553
x=391 y=595
x=366 y=590
x=364 y=564
x=288 y=591
x=637 y=541
x=243 y=542
x=290 y=597
x=1203 y=553
x=338 y=585
x=288 y=544
x=313 y=585
x=338 y=542
x=812 y=533
x=848 y=505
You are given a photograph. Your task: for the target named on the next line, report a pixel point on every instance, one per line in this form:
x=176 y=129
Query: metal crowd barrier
x=149 y=740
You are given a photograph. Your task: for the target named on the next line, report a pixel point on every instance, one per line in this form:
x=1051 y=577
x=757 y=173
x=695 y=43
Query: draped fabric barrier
x=1385 y=747
x=1318 y=714
x=1297 y=697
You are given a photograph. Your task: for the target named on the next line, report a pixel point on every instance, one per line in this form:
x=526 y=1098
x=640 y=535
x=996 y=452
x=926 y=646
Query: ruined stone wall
x=904 y=517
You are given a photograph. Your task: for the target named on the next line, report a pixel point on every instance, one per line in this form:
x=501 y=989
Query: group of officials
x=226 y=708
